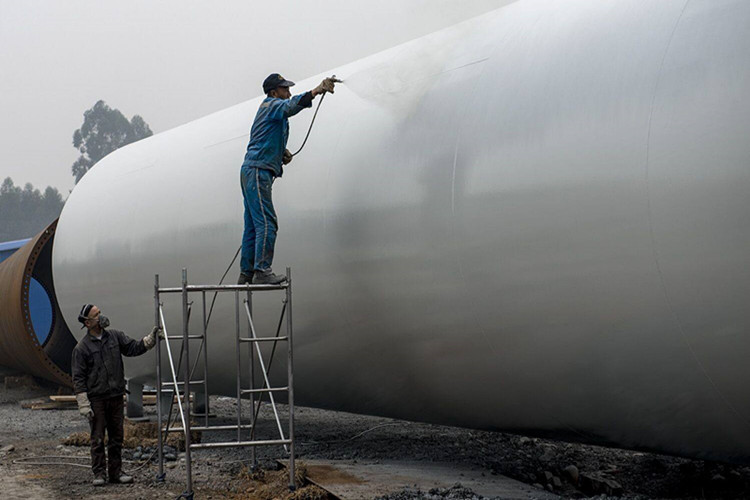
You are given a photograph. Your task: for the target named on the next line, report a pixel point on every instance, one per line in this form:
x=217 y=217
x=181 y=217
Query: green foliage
x=25 y=212
x=104 y=129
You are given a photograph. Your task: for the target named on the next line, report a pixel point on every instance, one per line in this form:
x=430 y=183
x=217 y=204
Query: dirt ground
x=570 y=470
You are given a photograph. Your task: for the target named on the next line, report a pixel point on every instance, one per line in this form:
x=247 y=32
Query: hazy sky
x=174 y=61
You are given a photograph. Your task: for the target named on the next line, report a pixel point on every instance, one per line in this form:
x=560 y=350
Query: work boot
x=245 y=278
x=123 y=479
x=98 y=481
x=268 y=278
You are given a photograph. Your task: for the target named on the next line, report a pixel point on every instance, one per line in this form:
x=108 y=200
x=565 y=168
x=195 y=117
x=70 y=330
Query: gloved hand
x=84 y=406
x=150 y=340
x=325 y=86
x=287 y=158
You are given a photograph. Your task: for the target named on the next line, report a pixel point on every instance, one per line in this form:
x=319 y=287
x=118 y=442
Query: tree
x=25 y=212
x=104 y=129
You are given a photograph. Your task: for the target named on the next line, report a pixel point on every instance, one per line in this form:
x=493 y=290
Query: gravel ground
x=570 y=470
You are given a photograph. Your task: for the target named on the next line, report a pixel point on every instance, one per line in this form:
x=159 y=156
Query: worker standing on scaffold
x=266 y=154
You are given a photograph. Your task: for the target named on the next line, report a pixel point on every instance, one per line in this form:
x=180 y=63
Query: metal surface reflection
x=536 y=220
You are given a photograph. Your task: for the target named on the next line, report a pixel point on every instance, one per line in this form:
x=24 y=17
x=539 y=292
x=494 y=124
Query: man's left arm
x=132 y=347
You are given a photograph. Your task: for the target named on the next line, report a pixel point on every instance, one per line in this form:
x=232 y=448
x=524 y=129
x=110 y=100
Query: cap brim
x=286 y=83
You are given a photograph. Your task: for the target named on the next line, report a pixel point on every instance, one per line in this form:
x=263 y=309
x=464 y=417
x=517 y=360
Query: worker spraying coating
x=264 y=161
x=99 y=384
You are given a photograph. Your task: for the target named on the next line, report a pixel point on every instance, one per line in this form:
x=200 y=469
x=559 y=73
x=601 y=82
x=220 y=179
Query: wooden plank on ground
x=63 y=399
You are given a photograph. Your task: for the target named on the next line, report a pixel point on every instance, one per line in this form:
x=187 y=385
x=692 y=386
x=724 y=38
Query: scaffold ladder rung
x=266 y=390
x=229 y=444
x=172 y=384
x=264 y=339
x=208 y=428
x=190 y=337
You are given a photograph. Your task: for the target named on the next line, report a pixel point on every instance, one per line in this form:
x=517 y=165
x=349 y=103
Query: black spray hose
x=311 y=124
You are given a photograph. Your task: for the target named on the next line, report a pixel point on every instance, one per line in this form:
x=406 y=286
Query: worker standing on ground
x=266 y=154
x=99 y=384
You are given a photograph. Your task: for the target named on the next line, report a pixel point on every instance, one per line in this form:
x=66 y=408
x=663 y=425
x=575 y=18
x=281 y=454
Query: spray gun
x=335 y=80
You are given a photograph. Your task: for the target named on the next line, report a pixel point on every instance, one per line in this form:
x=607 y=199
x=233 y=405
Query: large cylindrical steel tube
x=33 y=335
x=536 y=220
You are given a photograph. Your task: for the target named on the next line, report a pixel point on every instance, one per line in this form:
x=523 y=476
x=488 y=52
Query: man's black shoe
x=268 y=278
x=123 y=479
x=245 y=279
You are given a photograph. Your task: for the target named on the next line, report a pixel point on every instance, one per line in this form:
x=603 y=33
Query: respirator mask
x=103 y=321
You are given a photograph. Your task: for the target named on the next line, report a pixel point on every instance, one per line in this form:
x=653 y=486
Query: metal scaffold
x=182 y=378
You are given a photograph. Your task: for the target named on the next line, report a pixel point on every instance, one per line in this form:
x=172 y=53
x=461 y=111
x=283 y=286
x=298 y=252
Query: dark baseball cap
x=274 y=81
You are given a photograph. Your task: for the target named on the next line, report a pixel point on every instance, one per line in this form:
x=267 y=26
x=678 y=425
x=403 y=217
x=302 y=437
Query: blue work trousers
x=261 y=224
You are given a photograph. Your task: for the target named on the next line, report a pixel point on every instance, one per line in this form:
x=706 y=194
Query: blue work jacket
x=270 y=131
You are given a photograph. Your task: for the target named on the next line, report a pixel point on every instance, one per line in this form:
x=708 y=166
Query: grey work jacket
x=97 y=363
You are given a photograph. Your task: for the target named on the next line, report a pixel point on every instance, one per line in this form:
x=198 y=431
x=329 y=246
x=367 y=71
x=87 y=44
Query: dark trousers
x=109 y=416
x=261 y=224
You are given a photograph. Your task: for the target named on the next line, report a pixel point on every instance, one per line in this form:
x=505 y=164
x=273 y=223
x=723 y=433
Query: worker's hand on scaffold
x=150 y=340
x=287 y=158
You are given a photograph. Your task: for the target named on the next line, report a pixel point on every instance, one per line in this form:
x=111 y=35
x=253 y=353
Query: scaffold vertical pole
x=253 y=458
x=290 y=377
x=239 y=363
x=186 y=347
x=157 y=322
x=205 y=359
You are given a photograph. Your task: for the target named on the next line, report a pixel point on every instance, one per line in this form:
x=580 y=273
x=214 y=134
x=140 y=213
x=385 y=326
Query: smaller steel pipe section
x=160 y=474
x=257 y=391
x=190 y=337
x=290 y=376
x=186 y=347
x=263 y=339
x=47 y=353
x=232 y=444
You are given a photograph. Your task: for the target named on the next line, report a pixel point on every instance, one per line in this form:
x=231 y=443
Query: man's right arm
x=80 y=372
x=80 y=386
x=291 y=107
